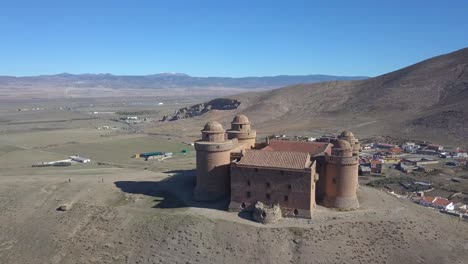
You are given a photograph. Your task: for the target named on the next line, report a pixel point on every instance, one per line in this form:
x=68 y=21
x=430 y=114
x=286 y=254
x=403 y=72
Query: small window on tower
x=334 y=180
x=268 y=185
x=248 y=183
x=249 y=194
x=240 y=126
x=289 y=186
x=286 y=198
x=268 y=196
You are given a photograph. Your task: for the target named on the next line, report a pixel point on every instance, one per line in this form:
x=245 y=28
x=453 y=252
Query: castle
x=291 y=174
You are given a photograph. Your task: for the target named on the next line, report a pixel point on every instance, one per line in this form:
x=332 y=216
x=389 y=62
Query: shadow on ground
x=175 y=191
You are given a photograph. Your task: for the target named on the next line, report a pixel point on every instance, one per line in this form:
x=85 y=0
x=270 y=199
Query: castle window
x=286 y=198
x=289 y=186
x=296 y=212
x=268 y=196
x=248 y=183
x=240 y=126
x=334 y=180
x=268 y=185
x=249 y=194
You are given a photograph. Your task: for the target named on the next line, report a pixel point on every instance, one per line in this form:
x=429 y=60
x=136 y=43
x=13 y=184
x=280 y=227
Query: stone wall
x=293 y=190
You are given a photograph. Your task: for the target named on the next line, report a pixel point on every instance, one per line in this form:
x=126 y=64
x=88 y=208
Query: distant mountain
x=163 y=80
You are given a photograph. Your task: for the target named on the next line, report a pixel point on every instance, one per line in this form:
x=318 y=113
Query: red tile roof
x=441 y=201
x=313 y=148
x=275 y=159
x=427 y=199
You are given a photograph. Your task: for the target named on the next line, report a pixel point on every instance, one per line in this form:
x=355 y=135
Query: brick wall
x=293 y=190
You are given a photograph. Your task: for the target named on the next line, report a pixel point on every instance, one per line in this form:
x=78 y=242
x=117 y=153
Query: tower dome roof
x=346 y=133
x=240 y=119
x=213 y=126
x=342 y=144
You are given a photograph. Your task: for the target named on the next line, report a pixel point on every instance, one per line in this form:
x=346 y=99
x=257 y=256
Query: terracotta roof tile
x=427 y=199
x=313 y=148
x=275 y=159
x=441 y=201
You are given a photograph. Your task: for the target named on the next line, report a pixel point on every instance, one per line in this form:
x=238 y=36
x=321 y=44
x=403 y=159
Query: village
x=428 y=174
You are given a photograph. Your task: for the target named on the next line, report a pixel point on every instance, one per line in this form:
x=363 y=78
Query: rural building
x=392 y=160
x=421 y=161
x=460 y=154
x=435 y=147
x=364 y=170
x=427 y=152
x=409 y=147
x=436 y=202
x=383 y=146
x=291 y=174
x=79 y=159
x=376 y=166
x=407 y=167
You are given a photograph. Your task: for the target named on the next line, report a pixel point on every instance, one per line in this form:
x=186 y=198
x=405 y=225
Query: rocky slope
x=199 y=109
x=427 y=100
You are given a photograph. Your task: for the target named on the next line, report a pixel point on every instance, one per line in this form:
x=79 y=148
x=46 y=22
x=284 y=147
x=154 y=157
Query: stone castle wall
x=293 y=190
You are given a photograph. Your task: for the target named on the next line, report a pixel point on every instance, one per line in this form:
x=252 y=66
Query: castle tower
x=341 y=179
x=348 y=136
x=240 y=129
x=213 y=159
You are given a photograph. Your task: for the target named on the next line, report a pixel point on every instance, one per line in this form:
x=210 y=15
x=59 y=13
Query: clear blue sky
x=226 y=38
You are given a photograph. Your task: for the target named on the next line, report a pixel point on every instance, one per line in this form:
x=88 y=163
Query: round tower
x=348 y=136
x=240 y=129
x=341 y=179
x=213 y=159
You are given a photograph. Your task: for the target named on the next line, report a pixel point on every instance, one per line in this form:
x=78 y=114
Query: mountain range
x=163 y=80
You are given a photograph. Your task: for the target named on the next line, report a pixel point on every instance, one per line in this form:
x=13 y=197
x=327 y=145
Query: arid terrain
x=126 y=210
x=424 y=101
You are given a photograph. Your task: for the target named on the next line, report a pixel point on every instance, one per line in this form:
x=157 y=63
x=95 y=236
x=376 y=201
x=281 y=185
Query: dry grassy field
x=126 y=210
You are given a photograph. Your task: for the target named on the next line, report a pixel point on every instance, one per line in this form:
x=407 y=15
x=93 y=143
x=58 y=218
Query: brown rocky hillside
x=427 y=100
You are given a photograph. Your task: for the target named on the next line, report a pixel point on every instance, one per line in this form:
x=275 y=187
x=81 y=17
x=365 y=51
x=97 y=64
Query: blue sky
x=226 y=38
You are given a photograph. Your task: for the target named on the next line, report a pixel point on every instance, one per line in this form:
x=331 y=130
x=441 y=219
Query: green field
x=120 y=149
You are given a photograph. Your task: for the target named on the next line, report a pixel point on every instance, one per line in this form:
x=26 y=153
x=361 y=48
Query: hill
x=426 y=100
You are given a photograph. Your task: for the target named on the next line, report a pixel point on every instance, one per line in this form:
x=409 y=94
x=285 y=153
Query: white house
x=79 y=159
x=437 y=202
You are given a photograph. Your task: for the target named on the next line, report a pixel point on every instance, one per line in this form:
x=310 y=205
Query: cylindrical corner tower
x=240 y=129
x=349 y=136
x=213 y=159
x=341 y=179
